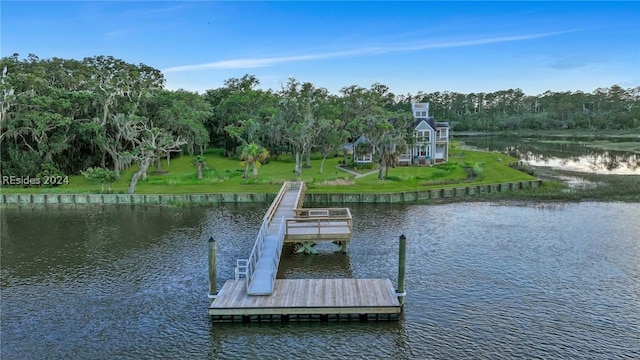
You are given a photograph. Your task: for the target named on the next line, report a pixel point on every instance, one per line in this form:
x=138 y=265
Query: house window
x=424 y=151
x=422 y=135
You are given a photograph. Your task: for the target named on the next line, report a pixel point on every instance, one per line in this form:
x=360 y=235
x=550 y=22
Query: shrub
x=478 y=170
x=97 y=175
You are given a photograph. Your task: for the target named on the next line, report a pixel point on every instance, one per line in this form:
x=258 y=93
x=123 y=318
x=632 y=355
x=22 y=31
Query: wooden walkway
x=256 y=294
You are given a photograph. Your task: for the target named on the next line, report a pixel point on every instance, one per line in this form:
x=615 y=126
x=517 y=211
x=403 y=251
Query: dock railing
x=256 y=251
x=275 y=203
x=276 y=259
x=316 y=217
x=246 y=267
x=300 y=199
x=326 y=212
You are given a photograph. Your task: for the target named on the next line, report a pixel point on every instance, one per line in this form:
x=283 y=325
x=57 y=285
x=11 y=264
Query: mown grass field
x=224 y=175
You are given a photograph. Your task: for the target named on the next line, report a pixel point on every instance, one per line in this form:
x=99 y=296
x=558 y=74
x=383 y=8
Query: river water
x=484 y=280
x=588 y=154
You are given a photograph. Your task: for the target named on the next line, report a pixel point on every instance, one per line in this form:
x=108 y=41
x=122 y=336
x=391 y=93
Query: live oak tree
x=149 y=143
x=120 y=88
x=386 y=134
x=297 y=116
x=68 y=114
x=241 y=114
x=38 y=114
x=332 y=134
x=183 y=113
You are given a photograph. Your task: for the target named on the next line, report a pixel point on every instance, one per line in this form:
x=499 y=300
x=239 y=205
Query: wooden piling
x=402 y=260
x=213 y=249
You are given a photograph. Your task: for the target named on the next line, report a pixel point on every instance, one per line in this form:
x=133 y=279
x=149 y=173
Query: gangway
x=261 y=267
x=287 y=221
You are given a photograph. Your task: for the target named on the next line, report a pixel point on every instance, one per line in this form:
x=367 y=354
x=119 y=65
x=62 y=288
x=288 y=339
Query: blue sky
x=409 y=46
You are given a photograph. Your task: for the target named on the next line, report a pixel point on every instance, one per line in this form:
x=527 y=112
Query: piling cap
x=402 y=237
x=211 y=239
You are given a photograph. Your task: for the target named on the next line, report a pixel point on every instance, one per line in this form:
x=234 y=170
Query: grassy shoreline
x=224 y=176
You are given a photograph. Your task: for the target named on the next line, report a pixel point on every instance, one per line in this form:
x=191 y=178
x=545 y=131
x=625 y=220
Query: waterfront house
x=429 y=142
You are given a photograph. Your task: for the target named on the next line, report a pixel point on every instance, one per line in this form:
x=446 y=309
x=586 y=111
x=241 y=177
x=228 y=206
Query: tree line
x=612 y=108
x=65 y=116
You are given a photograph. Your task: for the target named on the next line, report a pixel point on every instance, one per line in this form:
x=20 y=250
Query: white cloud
x=167 y=10
x=249 y=63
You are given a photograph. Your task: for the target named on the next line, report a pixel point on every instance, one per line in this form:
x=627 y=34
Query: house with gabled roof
x=430 y=141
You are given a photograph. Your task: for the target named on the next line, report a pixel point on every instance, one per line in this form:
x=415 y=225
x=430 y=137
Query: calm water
x=483 y=280
x=568 y=153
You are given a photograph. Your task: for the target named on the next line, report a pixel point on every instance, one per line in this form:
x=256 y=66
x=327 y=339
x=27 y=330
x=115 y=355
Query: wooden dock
x=256 y=295
x=309 y=300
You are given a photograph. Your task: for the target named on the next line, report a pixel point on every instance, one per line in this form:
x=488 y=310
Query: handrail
x=247 y=267
x=340 y=212
x=300 y=198
x=255 y=252
x=276 y=260
x=276 y=202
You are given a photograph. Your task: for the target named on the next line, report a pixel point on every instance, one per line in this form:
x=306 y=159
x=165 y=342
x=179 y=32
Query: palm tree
x=200 y=162
x=253 y=154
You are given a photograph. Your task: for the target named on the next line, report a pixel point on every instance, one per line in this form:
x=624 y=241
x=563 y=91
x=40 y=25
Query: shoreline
x=219 y=198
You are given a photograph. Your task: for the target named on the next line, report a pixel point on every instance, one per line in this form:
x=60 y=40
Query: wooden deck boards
x=309 y=296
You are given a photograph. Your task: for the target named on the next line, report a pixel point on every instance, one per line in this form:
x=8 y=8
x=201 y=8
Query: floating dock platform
x=308 y=300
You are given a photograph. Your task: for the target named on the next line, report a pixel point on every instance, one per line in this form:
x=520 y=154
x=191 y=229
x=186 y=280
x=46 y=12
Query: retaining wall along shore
x=410 y=196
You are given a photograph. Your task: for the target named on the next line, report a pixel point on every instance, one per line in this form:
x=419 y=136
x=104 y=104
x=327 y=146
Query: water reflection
x=605 y=162
x=524 y=280
x=567 y=154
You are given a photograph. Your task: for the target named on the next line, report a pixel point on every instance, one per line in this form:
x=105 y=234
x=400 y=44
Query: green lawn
x=224 y=175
